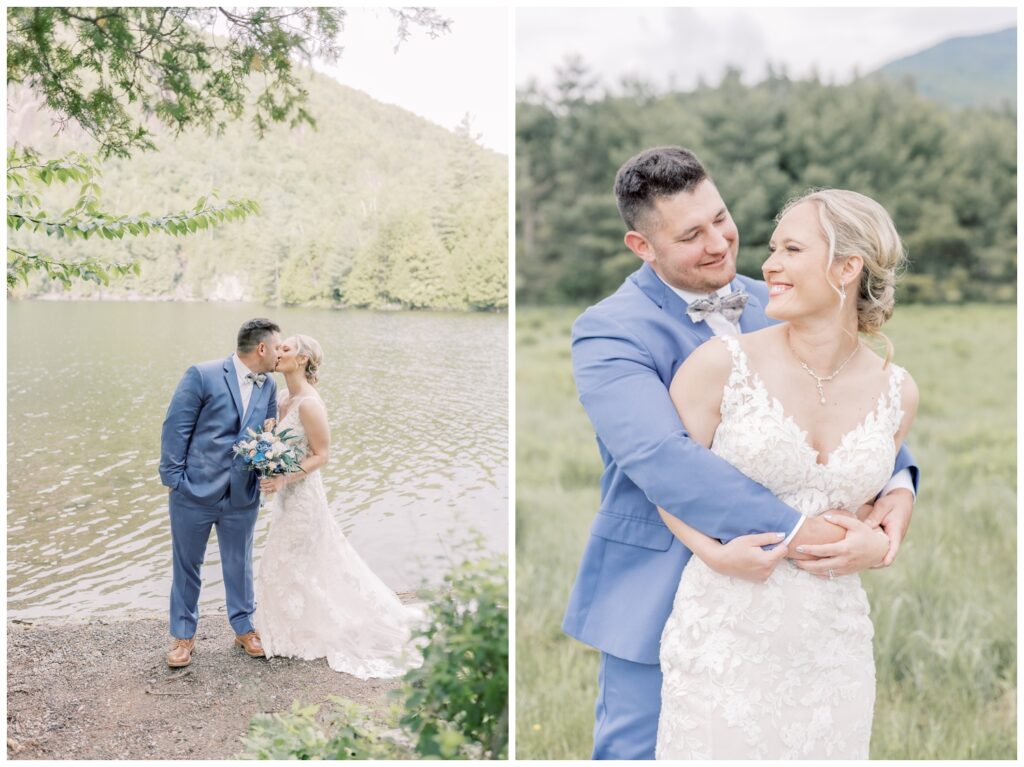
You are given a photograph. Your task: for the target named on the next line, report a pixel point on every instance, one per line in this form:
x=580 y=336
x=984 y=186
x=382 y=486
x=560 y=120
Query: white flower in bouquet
x=268 y=453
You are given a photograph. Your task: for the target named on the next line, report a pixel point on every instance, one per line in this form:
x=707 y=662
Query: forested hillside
x=375 y=207
x=948 y=177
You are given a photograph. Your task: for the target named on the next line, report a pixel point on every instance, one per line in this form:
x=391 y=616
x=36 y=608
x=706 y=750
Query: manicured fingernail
x=828 y=517
x=780 y=536
x=800 y=549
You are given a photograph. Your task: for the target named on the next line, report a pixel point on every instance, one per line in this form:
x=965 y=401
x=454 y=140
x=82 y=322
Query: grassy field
x=944 y=613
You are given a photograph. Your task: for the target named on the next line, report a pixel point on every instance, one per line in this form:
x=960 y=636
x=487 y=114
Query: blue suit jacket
x=203 y=423
x=625 y=352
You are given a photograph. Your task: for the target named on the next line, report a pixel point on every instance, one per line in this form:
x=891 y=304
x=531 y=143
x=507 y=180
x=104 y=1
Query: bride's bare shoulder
x=311 y=406
x=706 y=369
x=712 y=358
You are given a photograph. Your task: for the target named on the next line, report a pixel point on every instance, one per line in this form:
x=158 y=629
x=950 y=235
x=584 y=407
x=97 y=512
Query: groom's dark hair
x=253 y=332
x=659 y=172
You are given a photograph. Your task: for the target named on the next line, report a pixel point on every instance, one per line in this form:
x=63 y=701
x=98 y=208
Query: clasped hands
x=870 y=538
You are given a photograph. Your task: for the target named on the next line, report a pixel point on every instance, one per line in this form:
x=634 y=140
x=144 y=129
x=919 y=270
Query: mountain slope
x=979 y=70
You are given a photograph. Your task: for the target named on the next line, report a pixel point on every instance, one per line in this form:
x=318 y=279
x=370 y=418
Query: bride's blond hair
x=307 y=346
x=854 y=224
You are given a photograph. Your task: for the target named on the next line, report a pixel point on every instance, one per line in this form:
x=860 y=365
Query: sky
x=675 y=46
x=463 y=71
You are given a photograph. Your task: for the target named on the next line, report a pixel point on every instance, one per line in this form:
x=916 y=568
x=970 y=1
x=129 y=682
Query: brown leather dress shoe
x=181 y=653
x=251 y=644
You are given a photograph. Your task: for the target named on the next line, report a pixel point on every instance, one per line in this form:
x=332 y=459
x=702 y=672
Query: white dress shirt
x=244 y=384
x=720 y=326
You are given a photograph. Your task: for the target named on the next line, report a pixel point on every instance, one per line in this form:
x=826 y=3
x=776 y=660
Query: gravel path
x=102 y=690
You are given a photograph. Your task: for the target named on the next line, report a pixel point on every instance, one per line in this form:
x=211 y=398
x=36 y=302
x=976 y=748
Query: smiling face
x=689 y=239
x=800 y=282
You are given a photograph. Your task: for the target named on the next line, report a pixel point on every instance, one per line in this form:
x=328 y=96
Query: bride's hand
x=272 y=484
x=862 y=548
x=744 y=558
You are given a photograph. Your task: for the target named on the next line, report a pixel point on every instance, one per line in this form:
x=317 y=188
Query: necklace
x=820 y=380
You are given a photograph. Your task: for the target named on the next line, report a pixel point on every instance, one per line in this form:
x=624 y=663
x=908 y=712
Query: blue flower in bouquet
x=268 y=451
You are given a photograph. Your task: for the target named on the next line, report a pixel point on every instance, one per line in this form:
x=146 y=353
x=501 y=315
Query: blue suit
x=210 y=486
x=625 y=351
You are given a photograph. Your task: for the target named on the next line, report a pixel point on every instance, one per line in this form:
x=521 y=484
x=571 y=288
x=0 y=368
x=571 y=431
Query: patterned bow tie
x=256 y=378
x=730 y=306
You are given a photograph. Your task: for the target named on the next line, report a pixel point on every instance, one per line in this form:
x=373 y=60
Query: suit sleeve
x=633 y=415
x=904 y=460
x=179 y=423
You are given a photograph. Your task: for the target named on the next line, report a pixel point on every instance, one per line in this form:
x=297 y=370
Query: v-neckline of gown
x=777 y=406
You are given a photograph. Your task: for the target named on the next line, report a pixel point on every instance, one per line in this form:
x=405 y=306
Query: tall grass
x=944 y=613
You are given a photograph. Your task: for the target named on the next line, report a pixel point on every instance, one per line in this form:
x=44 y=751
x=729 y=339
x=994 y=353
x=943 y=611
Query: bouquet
x=267 y=452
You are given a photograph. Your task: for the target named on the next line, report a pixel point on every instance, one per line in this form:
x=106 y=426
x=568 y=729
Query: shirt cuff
x=900 y=481
x=796 y=528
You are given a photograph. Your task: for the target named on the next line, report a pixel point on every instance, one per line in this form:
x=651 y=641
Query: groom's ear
x=637 y=243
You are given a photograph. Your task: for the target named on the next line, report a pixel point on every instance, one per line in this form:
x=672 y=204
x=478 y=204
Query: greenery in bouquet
x=268 y=452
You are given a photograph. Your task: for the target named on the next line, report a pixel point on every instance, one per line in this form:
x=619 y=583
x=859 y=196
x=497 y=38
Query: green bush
x=301 y=734
x=462 y=686
x=454 y=706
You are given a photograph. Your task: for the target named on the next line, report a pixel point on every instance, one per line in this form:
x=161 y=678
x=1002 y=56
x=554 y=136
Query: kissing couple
x=753 y=465
x=314 y=597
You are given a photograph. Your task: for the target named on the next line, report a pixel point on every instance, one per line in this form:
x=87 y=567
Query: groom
x=625 y=351
x=214 y=404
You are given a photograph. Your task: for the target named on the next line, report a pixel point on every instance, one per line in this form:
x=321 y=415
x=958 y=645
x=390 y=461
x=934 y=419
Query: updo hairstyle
x=306 y=346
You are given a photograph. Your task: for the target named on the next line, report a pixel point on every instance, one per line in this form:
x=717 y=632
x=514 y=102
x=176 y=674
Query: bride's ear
x=850 y=270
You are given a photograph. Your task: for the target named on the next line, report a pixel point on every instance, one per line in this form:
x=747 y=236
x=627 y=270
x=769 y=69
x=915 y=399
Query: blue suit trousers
x=190 y=532
x=628 y=706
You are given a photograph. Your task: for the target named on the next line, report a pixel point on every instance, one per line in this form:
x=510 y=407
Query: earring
x=842 y=294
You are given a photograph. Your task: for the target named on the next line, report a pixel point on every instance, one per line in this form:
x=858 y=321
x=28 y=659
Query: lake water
x=418 y=408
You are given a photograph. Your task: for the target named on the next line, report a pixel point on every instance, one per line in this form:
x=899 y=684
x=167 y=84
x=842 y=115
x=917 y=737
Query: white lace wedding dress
x=316 y=597
x=782 y=669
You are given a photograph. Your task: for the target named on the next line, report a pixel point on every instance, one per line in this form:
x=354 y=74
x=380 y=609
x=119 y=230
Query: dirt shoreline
x=101 y=689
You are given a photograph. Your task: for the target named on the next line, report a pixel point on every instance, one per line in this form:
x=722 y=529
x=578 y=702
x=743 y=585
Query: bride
x=784 y=668
x=315 y=596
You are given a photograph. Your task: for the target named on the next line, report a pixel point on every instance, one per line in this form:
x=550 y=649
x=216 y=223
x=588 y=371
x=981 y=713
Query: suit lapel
x=669 y=301
x=231 y=377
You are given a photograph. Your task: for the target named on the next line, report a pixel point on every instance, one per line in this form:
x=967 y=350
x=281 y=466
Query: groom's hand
x=892 y=513
x=817 y=530
x=744 y=558
x=862 y=548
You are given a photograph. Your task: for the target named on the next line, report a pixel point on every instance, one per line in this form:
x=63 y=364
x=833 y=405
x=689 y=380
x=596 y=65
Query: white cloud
x=665 y=45
x=442 y=79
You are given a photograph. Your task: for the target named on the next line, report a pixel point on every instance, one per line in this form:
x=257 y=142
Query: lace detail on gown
x=782 y=669
x=316 y=597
